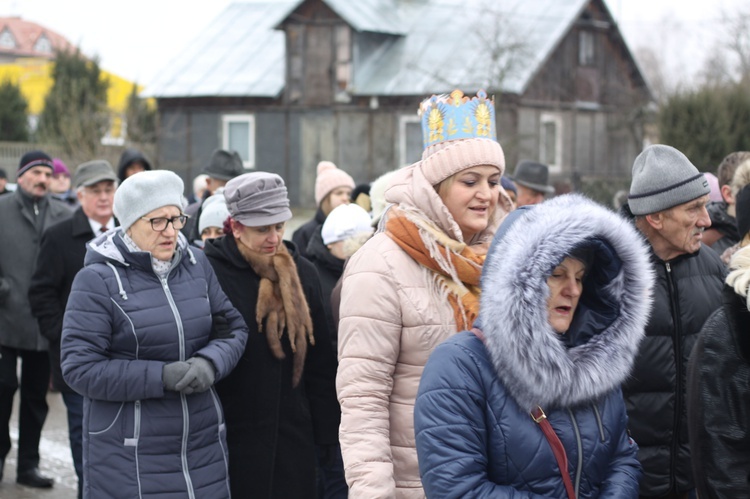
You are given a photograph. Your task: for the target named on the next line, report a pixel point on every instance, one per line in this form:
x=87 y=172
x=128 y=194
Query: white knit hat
x=345 y=221
x=146 y=191
x=214 y=211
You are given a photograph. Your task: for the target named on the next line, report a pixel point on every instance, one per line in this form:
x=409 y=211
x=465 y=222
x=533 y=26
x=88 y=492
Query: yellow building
x=27 y=59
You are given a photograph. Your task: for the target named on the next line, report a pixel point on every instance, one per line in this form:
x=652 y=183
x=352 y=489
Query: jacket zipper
x=183 y=399
x=678 y=375
x=599 y=421
x=579 y=444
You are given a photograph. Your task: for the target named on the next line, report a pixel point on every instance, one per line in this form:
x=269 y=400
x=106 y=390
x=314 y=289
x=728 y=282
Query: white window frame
x=403 y=120
x=586 y=48
x=545 y=119
x=7 y=40
x=228 y=119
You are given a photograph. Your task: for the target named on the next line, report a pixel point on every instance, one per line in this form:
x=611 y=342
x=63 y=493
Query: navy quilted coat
x=121 y=325
x=475 y=436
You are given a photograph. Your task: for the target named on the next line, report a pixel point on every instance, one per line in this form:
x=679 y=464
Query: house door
x=317 y=143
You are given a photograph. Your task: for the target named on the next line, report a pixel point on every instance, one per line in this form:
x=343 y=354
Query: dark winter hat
x=533 y=175
x=257 y=199
x=32 y=159
x=508 y=184
x=224 y=165
x=92 y=172
x=3 y=174
x=742 y=200
x=144 y=192
x=663 y=177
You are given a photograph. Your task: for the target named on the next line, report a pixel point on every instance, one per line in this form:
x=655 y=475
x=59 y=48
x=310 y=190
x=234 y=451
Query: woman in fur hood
x=280 y=400
x=564 y=303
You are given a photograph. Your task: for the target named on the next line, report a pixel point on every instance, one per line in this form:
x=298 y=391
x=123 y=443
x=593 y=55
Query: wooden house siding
x=320 y=116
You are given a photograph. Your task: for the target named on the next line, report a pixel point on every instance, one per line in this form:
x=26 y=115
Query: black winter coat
x=303 y=234
x=719 y=401
x=329 y=269
x=272 y=428
x=60 y=257
x=687 y=291
x=725 y=224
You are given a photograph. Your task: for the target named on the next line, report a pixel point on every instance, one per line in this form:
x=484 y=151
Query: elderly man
x=60 y=258
x=531 y=179
x=668 y=197
x=23 y=217
x=221 y=168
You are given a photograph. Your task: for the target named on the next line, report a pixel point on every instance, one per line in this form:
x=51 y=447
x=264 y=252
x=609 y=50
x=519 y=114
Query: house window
x=550 y=141
x=7 y=40
x=586 y=53
x=43 y=45
x=238 y=134
x=410 y=140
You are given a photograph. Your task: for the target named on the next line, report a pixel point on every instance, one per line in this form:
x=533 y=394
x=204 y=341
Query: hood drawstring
x=192 y=257
x=123 y=294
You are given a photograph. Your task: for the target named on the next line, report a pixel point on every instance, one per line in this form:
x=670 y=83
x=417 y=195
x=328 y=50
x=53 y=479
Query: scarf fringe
x=442 y=252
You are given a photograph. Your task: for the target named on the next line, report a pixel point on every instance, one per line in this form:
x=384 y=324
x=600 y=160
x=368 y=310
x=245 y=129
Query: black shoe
x=33 y=478
x=2 y=466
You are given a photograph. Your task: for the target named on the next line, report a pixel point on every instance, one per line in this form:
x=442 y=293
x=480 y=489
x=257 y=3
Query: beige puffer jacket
x=390 y=322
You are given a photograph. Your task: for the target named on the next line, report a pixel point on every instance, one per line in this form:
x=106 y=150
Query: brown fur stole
x=281 y=305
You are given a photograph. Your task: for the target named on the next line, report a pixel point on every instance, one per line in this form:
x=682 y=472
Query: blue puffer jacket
x=474 y=432
x=122 y=324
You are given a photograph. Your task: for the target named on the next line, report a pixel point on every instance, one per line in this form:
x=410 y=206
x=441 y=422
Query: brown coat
x=391 y=319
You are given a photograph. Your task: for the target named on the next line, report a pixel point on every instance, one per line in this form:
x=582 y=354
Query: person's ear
x=656 y=220
x=726 y=194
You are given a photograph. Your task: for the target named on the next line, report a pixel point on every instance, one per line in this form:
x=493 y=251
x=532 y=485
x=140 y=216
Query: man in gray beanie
x=668 y=198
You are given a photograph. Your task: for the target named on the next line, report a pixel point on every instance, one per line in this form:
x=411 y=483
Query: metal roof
x=239 y=54
x=427 y=46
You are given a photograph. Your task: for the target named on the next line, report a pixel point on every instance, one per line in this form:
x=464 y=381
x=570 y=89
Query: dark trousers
x=74 y=404
x=33 y=409
x=330 y=473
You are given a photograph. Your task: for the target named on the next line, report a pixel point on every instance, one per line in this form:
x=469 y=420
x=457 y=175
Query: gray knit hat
x=663 y=177
x=146 y=191
x=257 y=199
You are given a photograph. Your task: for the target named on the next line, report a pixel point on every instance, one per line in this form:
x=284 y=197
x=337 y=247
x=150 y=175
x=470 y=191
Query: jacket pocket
x=103 y=416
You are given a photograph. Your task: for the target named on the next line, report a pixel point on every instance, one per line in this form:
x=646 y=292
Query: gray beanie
x=144 y=192
x=213 y=211
x=257 y=199
x=663 y=177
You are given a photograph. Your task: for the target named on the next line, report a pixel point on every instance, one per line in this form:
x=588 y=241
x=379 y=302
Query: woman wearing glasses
x=147 y=331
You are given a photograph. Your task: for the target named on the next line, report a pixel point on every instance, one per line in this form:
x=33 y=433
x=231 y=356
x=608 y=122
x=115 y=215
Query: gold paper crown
x=456 y=116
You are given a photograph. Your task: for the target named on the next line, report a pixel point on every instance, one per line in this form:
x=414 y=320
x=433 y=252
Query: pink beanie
x=329 y=178
x=442 y=160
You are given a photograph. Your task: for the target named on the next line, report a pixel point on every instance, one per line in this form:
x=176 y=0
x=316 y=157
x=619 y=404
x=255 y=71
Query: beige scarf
x=281 y=305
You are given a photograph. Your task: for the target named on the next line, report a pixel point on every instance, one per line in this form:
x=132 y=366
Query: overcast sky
x=135 y=38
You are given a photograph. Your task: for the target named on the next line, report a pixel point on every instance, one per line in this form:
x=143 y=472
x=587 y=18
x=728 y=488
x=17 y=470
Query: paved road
x=54 y=450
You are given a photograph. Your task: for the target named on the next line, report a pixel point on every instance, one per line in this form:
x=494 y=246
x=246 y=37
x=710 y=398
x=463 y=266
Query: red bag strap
x=558 y=450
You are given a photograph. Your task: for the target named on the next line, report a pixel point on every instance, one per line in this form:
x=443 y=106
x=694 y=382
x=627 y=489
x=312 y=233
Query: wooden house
x=290 y=83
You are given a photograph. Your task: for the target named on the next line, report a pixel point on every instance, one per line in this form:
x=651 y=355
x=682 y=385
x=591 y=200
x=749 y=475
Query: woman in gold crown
x=413 y=285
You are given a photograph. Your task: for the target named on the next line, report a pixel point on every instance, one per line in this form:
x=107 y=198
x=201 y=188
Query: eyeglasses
x=160 y=224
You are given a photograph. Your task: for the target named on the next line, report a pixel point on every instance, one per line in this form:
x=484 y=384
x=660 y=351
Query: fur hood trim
x=533 y=361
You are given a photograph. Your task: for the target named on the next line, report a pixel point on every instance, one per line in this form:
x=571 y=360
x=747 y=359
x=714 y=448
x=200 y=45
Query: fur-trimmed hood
x=535 y=364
